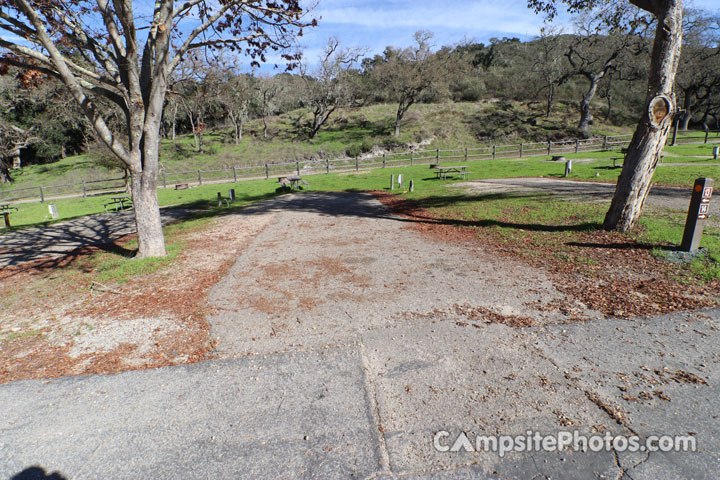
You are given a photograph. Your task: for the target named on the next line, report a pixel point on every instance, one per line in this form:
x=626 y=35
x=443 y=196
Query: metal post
x=84 y=189
x=412 y=185
x=219 y=199
x=199 y=178
x=392 y=182
x=697 y=214
x=231 y=194
x=42 y=196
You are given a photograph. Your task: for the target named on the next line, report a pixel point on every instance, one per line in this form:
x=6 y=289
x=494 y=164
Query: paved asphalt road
x=353 y=388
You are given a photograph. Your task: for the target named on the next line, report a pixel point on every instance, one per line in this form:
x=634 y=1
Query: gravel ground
x=332 y=264
x=347 y=341
x=667 y=197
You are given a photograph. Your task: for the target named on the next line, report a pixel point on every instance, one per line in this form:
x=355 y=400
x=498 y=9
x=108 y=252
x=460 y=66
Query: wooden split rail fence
x=397 y=159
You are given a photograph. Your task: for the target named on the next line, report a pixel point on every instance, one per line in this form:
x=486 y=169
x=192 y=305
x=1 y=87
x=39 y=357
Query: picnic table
x=292 y=182
x=444 y=171
x=118 y=203
x=5 y=209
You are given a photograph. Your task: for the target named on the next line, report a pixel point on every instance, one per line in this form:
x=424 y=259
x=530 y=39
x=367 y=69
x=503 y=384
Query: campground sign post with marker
x=697 y=214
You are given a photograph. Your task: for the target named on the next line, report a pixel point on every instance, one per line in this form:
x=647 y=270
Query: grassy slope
x=447 y=125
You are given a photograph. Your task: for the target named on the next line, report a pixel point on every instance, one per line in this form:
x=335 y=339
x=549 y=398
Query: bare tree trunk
x=685 y=120
x=194 y=131
x=651 y=134
x=609 y=110
x=550 y=99
x=586 y=117
x=151 y=241
x=174 y=121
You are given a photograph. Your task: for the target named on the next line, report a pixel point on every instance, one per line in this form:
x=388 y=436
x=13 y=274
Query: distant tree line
x=601 y=66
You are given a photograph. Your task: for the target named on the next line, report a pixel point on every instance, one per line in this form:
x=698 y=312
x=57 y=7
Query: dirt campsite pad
x=56 y=321
x=347 y=336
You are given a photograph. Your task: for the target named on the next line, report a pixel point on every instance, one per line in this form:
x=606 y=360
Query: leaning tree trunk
x=151 y=241
x=652 y=131
x=586 y=117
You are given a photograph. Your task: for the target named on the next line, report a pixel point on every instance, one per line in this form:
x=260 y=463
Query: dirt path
x=667 y=197
x=330 y=264
x=347 y=343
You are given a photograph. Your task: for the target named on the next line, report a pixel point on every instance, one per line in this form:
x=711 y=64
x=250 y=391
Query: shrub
x=354 y=150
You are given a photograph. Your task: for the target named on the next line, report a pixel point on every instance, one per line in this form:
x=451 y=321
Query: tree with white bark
x=125 y=52
x=604 y=41
x=235 y=93
x=406 y=74
x=698 y=77
x=329 y=86
x=656 y=119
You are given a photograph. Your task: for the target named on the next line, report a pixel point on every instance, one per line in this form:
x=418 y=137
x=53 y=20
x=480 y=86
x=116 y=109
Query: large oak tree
x=125 y=51
x=654 y=125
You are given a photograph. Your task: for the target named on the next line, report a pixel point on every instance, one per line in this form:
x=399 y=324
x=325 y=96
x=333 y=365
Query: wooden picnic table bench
x=292 y=182
x=5 y=209
x=444 y=171
x=118 y=203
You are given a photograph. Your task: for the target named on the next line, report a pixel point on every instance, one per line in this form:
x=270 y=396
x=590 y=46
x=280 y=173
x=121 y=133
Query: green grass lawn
x=598 y=168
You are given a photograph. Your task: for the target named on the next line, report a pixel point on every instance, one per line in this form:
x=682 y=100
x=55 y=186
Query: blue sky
x=378 y=23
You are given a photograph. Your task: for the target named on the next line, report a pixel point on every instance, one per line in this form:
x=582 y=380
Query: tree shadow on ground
x=37 y=473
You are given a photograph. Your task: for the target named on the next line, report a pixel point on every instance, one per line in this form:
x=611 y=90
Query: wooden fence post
x=357 y=164
x=549 y=147
x=494 y=151
x=577 y=145
x=234 y=174
x=297 y=167
x=384 y=159
x=267 y=171
x=199 y=178
x=164 y=182
x=521 y=149
x=466 y=154
x=84 y=189
x=605 y=142
x=437 y=156
x=327 y=165
x=412 y=158
x=42 y=196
